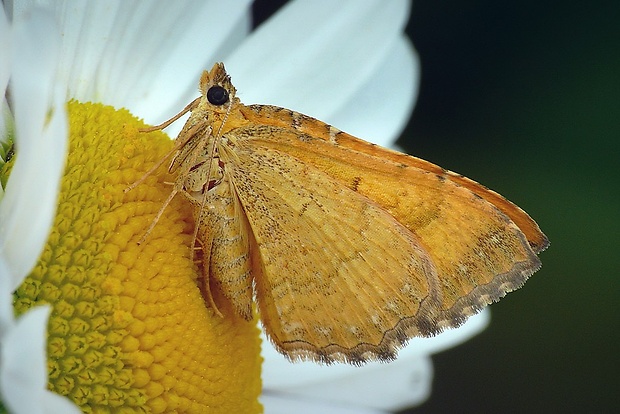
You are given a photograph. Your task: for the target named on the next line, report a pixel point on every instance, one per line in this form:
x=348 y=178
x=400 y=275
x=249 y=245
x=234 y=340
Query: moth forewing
x=351 y=249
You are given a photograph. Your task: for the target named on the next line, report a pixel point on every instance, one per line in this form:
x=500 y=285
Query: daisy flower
x=27 y=209
x=90 y=320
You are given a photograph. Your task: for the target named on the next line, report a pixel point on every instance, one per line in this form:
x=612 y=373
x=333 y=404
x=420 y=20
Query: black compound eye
x=217 y=95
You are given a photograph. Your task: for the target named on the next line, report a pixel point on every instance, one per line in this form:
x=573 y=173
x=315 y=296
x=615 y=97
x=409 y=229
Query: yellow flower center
x=130 y=331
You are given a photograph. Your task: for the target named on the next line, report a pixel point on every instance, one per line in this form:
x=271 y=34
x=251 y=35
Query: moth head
x=216 y=86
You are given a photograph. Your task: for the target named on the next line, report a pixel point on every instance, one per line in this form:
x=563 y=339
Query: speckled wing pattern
x=350 y=249
x=382 y=251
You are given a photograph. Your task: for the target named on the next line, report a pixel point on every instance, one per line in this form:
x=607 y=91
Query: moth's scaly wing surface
x=478 y=252
x=284 y=118
x=341 y=279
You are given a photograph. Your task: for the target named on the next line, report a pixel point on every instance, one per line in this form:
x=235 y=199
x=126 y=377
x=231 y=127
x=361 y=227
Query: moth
x=349 y=249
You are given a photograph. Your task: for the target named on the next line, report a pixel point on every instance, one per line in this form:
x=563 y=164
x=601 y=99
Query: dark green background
x=524 y=97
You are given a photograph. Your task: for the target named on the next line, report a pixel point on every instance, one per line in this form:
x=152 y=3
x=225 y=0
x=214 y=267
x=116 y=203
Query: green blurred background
x=524 y=96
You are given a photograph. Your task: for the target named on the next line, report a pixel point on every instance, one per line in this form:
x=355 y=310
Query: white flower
x=347 y=63
x=29 y=51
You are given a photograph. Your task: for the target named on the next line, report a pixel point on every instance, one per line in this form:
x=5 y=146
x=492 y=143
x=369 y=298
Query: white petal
x=53 y=403
x=214 y=28
x=24 y=365
x=310 y=380
x=379 y=388
x=313 y=55
x=145 y=56
x=23 y=374
x=29 y=204
x=6 y=300
x=282 y=403
x=381 y=108
x=6 y=126
x=6 y=46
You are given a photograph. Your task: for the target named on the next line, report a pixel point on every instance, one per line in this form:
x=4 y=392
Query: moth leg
x=150 y=171
x=177 y=145
x=178 y=187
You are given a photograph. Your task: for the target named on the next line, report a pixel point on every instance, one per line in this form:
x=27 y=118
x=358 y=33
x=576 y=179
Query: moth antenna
x=193 y=104
x=219 y=131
